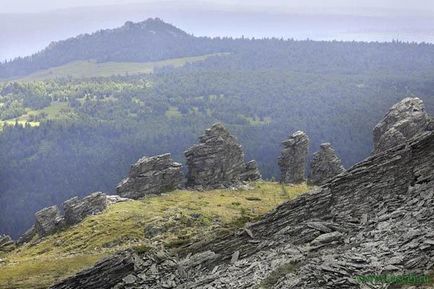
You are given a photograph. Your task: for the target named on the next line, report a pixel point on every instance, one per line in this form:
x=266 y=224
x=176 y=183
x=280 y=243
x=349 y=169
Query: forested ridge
x=68 y=137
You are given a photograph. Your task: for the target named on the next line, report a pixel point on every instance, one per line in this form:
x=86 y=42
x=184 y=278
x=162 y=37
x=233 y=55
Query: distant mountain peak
x=154 y=25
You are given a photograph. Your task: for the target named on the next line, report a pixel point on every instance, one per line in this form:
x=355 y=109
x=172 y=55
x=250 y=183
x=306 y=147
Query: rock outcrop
x=6 y=243
x=217 y=161
x=150 y=176
x=251 y=172
x=403 y=121
x=292 y=161
x=77 y=209
x=376 y=218
x=325 y=165
x=48 y=221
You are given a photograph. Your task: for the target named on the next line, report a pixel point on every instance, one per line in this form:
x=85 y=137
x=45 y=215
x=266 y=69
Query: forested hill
x=145 y=41
x=70 y=136
x=155 y=40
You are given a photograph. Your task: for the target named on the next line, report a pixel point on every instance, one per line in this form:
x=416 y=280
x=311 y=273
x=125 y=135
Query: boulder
x=292 y=161
x=77 y=209
x=403 y=121
x=48 y=221
x=251 y=172
x=325 y=165
x=217 y=161
x=6 y=243
x=150 y=176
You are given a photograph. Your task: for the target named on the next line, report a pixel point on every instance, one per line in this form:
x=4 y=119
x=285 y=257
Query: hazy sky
x=346 y=6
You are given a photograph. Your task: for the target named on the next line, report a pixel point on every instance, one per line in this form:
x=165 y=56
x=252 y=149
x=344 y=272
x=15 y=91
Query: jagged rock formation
x=325 y=165
x=251 y=172
x=292 y=161
x=77 y=209
x=403 y=121
x=6 y=243
x=48 y=221
x=151 y=175
x=218 y=159
x=376 y=218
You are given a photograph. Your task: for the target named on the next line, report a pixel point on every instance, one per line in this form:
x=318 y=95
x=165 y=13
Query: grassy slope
x=56 y=110
x=88 y=69
x=179 y=217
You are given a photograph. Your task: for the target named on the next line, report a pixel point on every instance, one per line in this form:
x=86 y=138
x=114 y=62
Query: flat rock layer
x=217 y=161
x=151 y=176
x=376 y=218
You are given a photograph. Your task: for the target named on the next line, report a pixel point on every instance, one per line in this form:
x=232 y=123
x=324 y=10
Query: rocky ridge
x=50 y=220
x=216 y=162
x=375 y=218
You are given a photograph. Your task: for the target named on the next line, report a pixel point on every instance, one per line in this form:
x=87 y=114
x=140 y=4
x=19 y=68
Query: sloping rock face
x=403 y=121
x=251 y=172
x=106 y=274
x=325 y=165
x=376 y=218
x=292 y=161
x=6 y=243
x=150 y=176
x=218 y=159
x=48 y=221
x=77 y=209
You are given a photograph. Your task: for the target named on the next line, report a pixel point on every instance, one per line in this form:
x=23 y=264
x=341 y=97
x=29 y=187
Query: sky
x=353 y=6
x=27 y=26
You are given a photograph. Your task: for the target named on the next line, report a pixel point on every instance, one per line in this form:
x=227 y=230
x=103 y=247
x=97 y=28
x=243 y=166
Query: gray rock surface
x=376 y=218
x=104 y=275
x=150 y=176
x=403 y=121
x=217 y=161
x=77 y=209
x=48 y=221
x=6 y=243
x=27 y=236
x=325 y=165
x=292 y=161
x=251 y=172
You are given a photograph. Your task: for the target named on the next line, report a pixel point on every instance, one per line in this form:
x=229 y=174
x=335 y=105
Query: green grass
x=175 y=219
x=90 y=68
